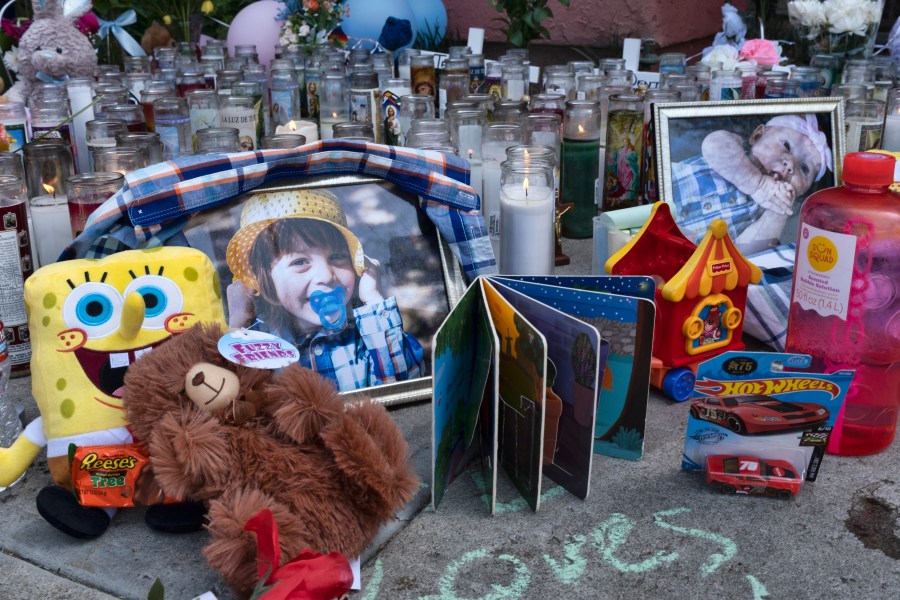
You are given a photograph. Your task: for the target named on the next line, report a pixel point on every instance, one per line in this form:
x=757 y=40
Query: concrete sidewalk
x=646 y=531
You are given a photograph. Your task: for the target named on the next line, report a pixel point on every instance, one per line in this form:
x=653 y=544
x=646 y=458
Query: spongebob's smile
x=106 y=370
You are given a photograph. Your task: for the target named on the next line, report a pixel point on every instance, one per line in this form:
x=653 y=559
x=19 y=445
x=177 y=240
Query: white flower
x=11 y=59
x=303 y=31
x=808 y=13
x=848 y=16
x=725 y=53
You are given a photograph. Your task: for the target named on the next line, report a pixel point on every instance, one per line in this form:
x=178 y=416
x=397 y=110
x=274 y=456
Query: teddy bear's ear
x=47 y=9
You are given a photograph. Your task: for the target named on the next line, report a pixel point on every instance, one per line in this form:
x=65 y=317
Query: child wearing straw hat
x=312 y=285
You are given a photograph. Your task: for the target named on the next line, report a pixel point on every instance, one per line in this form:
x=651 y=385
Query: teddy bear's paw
x=303 y=403
x=371 y=452
x=191 y=458
x=232 y=551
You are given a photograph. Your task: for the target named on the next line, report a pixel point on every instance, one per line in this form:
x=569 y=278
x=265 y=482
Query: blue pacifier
x=330 y=306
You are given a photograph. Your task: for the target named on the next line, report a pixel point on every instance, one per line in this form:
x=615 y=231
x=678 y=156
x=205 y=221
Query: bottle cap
x=869 y=169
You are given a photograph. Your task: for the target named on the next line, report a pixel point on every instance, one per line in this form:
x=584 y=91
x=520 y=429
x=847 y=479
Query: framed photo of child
x=750 y=163
x=349 y=270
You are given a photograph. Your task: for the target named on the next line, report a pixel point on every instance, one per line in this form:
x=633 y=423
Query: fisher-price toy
x=701 y=294
x=89 y=320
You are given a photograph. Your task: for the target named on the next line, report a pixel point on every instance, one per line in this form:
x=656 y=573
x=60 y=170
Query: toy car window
x=713 y=402
x=730 y=402
x=730 y=465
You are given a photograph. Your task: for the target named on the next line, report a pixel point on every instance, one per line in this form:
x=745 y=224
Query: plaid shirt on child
x=702 y=195
x=373 y=352
x=156 y=202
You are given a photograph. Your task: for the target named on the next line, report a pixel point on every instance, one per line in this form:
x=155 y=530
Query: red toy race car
x=758 y=414
x=749 y=475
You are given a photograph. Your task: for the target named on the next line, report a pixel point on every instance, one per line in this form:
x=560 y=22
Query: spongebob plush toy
x=89 y=320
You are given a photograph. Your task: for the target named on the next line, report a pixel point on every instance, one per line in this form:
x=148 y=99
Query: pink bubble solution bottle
x=845 y=303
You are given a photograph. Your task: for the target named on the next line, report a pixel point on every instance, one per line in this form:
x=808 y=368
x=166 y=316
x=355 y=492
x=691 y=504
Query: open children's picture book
x=521 y=365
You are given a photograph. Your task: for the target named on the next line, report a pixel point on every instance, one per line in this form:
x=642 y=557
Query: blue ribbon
x=47 y=78
x=128 y=43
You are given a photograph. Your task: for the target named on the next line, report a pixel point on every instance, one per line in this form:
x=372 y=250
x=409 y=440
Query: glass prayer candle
x=581 y=68
x=496 y=138
x=783 y=88
x=394 y=90
x=603 y=95
x=547 y=154
x=829 y=68
x=863 y=120
x=580 y=167
x=725 y=85
x=457 y=66
x=225 y=78
x=121 y=159
x=354 y=131
x=493 y=80
x=153 y=90
x=485 y=101
x=466 y=126
x=452 y=86
x=239 y=112
x=621 y=77
x=589 y=87
x=101 y=133
x=219 y=139
x=190 y=80
x=203 y=109
x=476 y=71
x=365 y=101
x=164 y=56
x=87 y=192
x=700 y=74
x=849 y=91
x=283 y=141
x=762 y=80
x=248 y=51
x=131 y=114
x=16 y=264
x=560 y=82
x=687 y=92
x=548 y=103
x=890 y=140
x=649 y=186
x=611 y=64
x=334 y=102
x=147 y=141
x=671 y=62
x=624 y=146
x=458 y=51
x=810 y=79
x=510 y=111
x=173 y=124
x=514 y=82
x=413 y=107
x=527 y=214
x=47 y=162
x=106 y=96
x=48 y=120
x=253 y=90
x=12 y=117
x=11 y=164
x=285 y=92
x=422 y=75
x=403 y=62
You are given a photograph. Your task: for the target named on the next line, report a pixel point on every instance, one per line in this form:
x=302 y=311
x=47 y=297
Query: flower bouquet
x=310 y=23
x=842 y=28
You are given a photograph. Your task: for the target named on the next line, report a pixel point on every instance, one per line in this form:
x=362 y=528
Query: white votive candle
x=307 y=129
x=52 y=229
x=890 y=140
x=526 y=240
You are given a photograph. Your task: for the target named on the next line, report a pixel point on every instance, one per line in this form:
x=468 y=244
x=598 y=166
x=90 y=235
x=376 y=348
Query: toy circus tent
x=701 y=289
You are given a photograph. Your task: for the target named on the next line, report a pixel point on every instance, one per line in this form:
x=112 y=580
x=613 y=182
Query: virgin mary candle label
x=239 y=112
x=622 y=174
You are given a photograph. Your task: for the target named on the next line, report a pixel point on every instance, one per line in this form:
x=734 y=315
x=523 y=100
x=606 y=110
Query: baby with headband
x=751 y=187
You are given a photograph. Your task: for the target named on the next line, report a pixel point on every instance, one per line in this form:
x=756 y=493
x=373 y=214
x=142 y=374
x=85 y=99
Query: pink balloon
x=257 y=24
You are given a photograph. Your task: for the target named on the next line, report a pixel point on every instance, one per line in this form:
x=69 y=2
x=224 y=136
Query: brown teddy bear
x=244 y=439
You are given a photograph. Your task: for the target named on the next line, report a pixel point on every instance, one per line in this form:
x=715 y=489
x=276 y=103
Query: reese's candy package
x=115 y=476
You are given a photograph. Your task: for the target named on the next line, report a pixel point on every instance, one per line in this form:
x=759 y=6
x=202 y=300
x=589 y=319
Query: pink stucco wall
x=597 y=22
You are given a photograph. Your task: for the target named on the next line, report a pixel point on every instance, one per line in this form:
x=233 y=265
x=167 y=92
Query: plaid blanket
x=769 y=300
x=156 y=202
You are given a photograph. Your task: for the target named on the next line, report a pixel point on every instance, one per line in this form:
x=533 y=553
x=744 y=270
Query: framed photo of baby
x=750 y=163
x=353 y=275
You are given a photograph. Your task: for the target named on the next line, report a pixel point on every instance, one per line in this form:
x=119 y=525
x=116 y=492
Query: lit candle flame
x=334 y=115
x=50 y=189
x=292 y=126
x=471 y=152
x=525 y=185
x=580 y=130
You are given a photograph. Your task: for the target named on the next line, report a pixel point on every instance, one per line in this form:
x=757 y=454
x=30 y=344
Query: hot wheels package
x=759 y=421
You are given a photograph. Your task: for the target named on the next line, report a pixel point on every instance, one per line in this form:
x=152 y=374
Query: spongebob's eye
x=161 y=297
x=94 y=307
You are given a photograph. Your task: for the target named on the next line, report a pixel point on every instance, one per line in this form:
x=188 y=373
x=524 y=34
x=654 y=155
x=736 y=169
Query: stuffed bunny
x=51 y=50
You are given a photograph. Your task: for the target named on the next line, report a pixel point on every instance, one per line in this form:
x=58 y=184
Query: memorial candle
x=497 y=137
x=580 y=167
x=890 y=140
x=51 y=228
x=527 y=215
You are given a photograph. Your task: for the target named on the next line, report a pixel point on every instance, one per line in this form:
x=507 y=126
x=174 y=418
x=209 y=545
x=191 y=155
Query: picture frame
x=417 y=267
x=700 y=166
